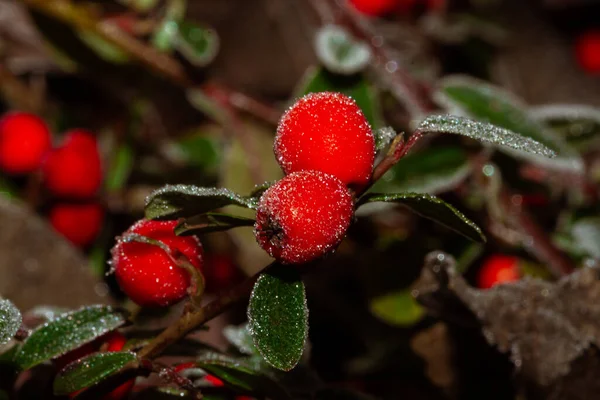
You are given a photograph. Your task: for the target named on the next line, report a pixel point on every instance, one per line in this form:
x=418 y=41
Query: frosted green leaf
x=586 y=233
x=384 y=137
x=211 y=222
x=66 y=333
x=278 y=317
x=339 y=52
x=484 y=132
x=488 y=103
x=10 y=320
x=240 y=337
x=398 y=308
x=565 y=112
x=432 y=208
x=198 y=44
x=180 y=201
x=433 y=170
x=90 y=370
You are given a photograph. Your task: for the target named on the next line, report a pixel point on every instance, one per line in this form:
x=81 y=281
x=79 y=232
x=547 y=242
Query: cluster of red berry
x=324 y=144
x=70 y=172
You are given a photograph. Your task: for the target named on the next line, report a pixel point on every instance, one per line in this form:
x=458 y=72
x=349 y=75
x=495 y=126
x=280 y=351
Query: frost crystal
x=10 y=320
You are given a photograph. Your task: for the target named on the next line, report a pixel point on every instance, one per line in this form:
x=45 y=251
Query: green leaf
x=198 y=44
x=200 y=151
x=120 y=168
x=483 y=132
x=578 y=124
x=356 y=86
x=492 y=104
x=211 y=222
x=339 y=52
x=10 y=320
x=241 y=377
x=398 y=308
x=586 y=233
x=384 y=137
x=433 y=208
x=278 y=316
x=140 y=5
x=180 y=201
x=66 y=333
x=433 y=170
x=90 y=370
x=105 y=50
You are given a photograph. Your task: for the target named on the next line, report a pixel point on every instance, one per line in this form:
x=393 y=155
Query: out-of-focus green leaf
x=67 y=333
x=398 y=308
x=433 y=170
x=432 y=208
x=586 y=234
x=339 y=52
x=90 y=370
x=198 y=44
x=211 y=222
x=578 y=124
x=120 y=168
x=200 y=151
x=7 y=189
x=104 y=49
x=356 y=86
x=278 y=316
x=488 y=103
x=140 y=5
x=10 y=320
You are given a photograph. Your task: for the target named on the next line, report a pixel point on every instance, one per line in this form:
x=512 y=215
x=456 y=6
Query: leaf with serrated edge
x=177 y=201
x=211 y=222
x=432 y=208
x=278 y=317
x=90 y=370
x=10 y=320
x=66 y=333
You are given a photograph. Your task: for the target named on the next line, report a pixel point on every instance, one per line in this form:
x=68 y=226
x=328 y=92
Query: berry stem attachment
x=194 y=319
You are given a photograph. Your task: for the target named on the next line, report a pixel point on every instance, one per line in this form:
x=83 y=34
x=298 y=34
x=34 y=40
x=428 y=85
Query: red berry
x=587 y=49
x=326 y=132
x=375 y=8
x=303 y=216
x=79 y=223
x=184 y=366
x=74 y=170
x=146 y=273
x=220 y=272
x=498 y=269
x=24 y=140
x=214 y=380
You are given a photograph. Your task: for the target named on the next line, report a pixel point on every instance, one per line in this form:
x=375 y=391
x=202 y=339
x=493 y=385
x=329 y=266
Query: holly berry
x=24 y=140
x=375 y=8
x=146 y=273
x=113 y=341
x=303 y=216
x=587 y=51
x=74 y=170
x=79 y=223
x=326 y=132
x=498 y=269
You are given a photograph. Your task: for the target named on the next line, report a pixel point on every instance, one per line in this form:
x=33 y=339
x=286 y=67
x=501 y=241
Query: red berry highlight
x=498 y=269
x=375 y=8
x=146 y=273
x=79 y=223
x=326 y=132
x=303 y=216
x=587 y=51
x=24 y=141
x=75 y=169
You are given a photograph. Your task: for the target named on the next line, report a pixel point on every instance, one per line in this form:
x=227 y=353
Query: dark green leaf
x=339 y=52
x=355 y=86
x=491 y=104
x=483 y=132
x=68 y=332
x=211 y=222
x=278 y=316
x=398 y=308
x=433 y=208
x=120 y=168
x=90 y=370
x=241 y=377
x=200 y=151
x=10 y=320
x=180 y=201
x=198 y=44
x=433 y=170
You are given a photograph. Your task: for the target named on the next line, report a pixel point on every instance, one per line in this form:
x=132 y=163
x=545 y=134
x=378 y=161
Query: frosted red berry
x=24 y=141
x=146 y=273
x=74 y=170
x=375 y=8
x=303 y=216
x=498 y=269
x=79 y=223
x=587 y=51
x=326 y=132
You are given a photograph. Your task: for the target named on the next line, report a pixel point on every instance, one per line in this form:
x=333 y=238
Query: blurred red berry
x=303 y=216
x=79 y=223
x=587 y=51
x=214 y=380
x=498 y=269
x=220 y=272
x=184 y=366
x=326 y=132
x=376 y=8
x=24 y=141
x=74 y=170
x=146 y=273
